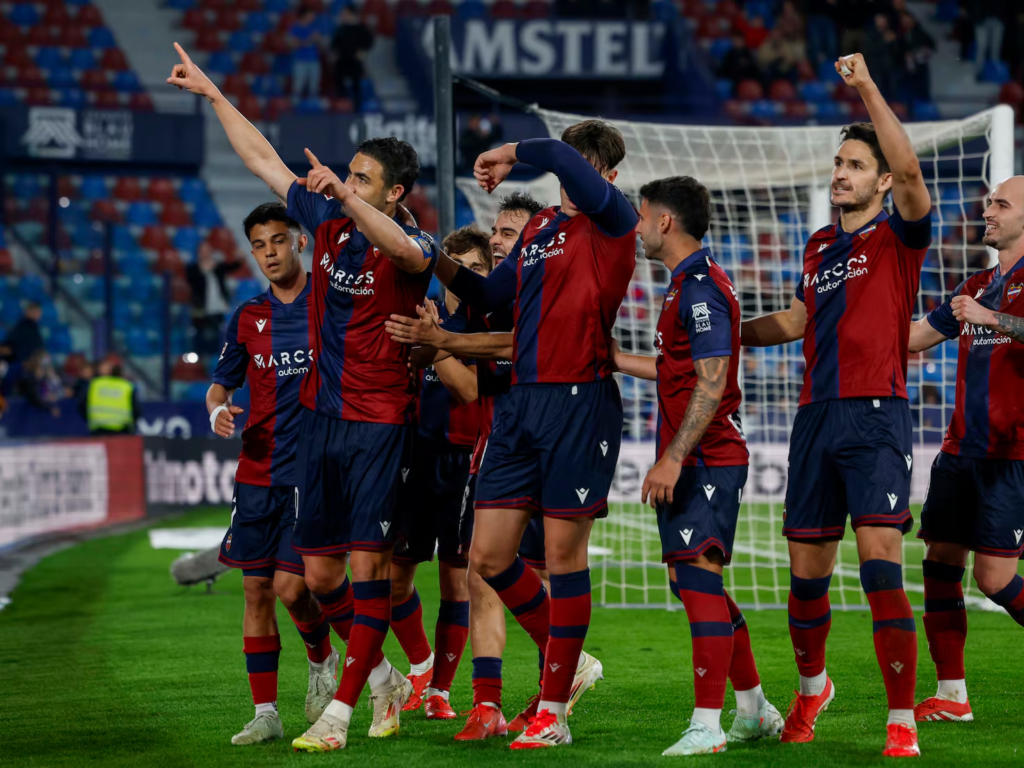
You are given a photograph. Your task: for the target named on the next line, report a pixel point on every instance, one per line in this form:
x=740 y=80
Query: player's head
x=601 y=143
x=33 y=310
x=1004 y=215
x=470 y=247
x=383 y=172
x=860 y=176
x=678 y=209
x=514 y=211
x=276 y=241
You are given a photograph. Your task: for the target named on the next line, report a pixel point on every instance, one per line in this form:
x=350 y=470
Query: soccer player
x=850 y=451
x=556 y=435
x=269 y=346
x=976 y=496
x=357 y=399
x=430 y=505
x=698 y=480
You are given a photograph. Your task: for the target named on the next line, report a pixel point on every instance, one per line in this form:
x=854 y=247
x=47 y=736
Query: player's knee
x=321 y=581
x=486 y=566
x=291 y=592
x=990 y=581
x=401 y=590
x=259 y=592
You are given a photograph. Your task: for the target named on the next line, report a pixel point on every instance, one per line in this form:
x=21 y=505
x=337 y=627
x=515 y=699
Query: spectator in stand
x=822 y=32
x=918 y=47
x=25 y=338
x=790 y=21
x=853 y=18
x=39 y=383
x=351 y=42
x=755 y=33
x=207 y=277
x=989 y=27
x=479 y=135
x=112 y=403
x=781 y=54
x=739 y=62
x=305 y=43
x=883 y=45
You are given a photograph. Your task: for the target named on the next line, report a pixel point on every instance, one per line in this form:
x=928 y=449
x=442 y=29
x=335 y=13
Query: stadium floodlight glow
x=190 y=358
x=64 y=202
x=770 y=190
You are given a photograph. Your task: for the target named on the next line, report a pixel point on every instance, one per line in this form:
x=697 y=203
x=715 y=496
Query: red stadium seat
x=782 y=90
x=504 y=9
x=40 y=35
x=161 y=190
x=31 y=77
x=222 y=240
x=56 y=16
x=227 y=20
x=254 y=63
x=113 y=60
x=194 y=19
x=248 y=5
x=168 y=260
x=94 y=80
x=284 y=23
x=749 y=90
x=797 y=109
x=188 y=371
x=410 y=8
x=89 y=16
x=141 y=102
x=275 y=43
x=18 y=56
x=127 y=188
x=377 y=15
x=154 y=237
x=66 y=187
x=235 y=85
x=344 y=106
x=38 y=97
x=277 y=106
x=105 y=210
x=440 y=8
x=251 y=107
x=72 y=37
x=6 y=262
x=175 y=214
x=10 y=34
x=537 y=10
x=208 y=39
x=108 y=100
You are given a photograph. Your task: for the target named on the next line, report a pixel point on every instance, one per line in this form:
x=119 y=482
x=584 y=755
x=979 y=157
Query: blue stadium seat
x=93 y=188
x=995 y=72
x=126 y=82
x=101 y=37
x=282 y=65
x=49 y=57
x=206 y=215
x=724 y=88
x=719 y=47
x=925 y=111
x=72 y=216
x=186 y=239
x=88 y=236
x=24 y=15
x=181 y=5
x=10 y=311
x=221 y=62
x=267 y=85
x=8 y=97
x=82 y=58
x=240 y=42
x=196 y=391
x=140 y=213
x=276 y=6
x=471 y=9
x=815 y=90
x=827 y=72
x=134 y=264
x=246 y=289
x=310 y=106
x=368 y=90
x=59 y=342
x=137 y=341
x=62 y=77
x=193 y=191
x=123 y=238
x=32 y=287
x=258 y=21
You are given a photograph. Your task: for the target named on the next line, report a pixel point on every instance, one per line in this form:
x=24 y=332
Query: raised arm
x=776 y=328
x=249 y=144
x=489 y=293
x=909 y=192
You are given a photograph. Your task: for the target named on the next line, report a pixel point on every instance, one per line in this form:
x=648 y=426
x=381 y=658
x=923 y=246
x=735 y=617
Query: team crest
x=1014 y=291
x=425 y=241
x=867 y=232
x=227 y=543
x=670 y=296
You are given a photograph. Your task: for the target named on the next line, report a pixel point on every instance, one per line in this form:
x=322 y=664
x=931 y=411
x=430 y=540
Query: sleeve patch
x=701 y=317
x=425 y=241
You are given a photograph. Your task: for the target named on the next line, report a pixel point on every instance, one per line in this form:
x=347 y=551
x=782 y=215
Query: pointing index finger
x=181 y=52
x=312 y=159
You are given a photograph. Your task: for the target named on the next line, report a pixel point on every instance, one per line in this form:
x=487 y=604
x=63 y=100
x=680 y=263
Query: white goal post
x=769 y=188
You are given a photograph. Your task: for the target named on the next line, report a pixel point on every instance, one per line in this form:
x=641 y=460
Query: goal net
x=770 y=191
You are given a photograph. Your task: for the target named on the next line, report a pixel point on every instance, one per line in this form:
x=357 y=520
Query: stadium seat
x=105 y=210
x=141 y=102
x=474 y=9
x=195 y=19
x=250 y=106
x=113 y=59
x=186 y=239
x=235 y=85
x=193 y=190
x=267 y=85
x=206 y=215
x=221 y=62
x=277 y=106
x=537 y=10
x=94 y=80
x=140 y=213
x=168 y=260
x=56 y=15
x=6 y=262
x=925 y=111
x=410 y=9
x=440 y=8
x=127 y=188
x=175 y=214
x=240 y=42
x=89 y=16
x=782 y=90
x=108 y=100
x=38 y=96
x=258 y=21
x=126 y=81
x=311 y=105
x=101 y=37
x=49 y=57
x=24 y=15
x=227 y=20
x=82 y=58
x=281 y=65
x=71 y=37
x=154 y=237
x=161 y=190
x=93 y=188
x=503 y=9
x=255 y=63
x=221 y=239
x=995 y=72
x=62 y=77
x=40 y=35
x=208 y=39
x=816 y=91
x=18 y=56
x=122 y=236
x=749 y=90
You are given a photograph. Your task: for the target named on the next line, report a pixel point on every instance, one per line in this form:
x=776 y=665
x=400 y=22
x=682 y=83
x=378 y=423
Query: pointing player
x=430 y=505
x=696 y=484
x=850 y=452
x=269 y=346
x=556 y=435
x=357 y=399
x=976 y=495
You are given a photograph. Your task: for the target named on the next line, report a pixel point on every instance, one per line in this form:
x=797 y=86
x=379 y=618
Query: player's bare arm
x=218 y=400
x=637 y=366
x=380 y=229
x=923 y=336
x=775 y=328
x=909 y=192
x=249 y=144
x=712 y=375
x=425 y=332
x=967 y=310
x=459 y=379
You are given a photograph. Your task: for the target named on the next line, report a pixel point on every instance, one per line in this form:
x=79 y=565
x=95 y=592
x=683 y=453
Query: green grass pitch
x=105 y=662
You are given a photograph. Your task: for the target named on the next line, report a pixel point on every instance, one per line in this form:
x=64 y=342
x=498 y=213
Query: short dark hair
x=397 y=158
x=597 y=140
x=520 y=202
x=686 y=198
x=266 y=213
x=866 y=132
x=466 y=239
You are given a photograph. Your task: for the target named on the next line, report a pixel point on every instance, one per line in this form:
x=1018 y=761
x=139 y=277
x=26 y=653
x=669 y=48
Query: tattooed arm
x=967 y=310
x=660 y=482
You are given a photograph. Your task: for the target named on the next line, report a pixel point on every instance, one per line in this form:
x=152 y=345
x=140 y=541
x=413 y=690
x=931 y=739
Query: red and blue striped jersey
x=859 y=289
x=700 y=318
x=269 y=346
x=444 y=420
x=360 y=373
x=988 y=418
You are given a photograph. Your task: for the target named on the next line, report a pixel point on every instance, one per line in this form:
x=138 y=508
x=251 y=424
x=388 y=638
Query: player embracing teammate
x=850 y=450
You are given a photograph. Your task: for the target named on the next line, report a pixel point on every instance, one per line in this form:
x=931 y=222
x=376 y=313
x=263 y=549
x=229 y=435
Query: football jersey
x=700 y=318
x=268 y=345
x=360 y=373
x=444 y=420
x=859 y=289
x=988 y=418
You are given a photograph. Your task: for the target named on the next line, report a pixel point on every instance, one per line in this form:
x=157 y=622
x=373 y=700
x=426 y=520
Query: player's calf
x=945 y=623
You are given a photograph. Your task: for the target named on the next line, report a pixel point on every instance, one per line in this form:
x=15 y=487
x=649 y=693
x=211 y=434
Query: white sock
x=813 y=686
x=339 y=711
x=557 y=708
x=712 y=718
x=379 y=676
x=423 y=666
x=270 y=706
x=490 y=704
x=435 y=692
x=749 y=702
x=905 y=716
x=952 y=690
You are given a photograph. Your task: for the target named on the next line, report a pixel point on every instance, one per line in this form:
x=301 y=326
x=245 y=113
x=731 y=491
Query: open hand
x=188 y=76
x=493 y=167
x=967 y=310
x=323 y=180
x=859 y=75
x=224 y=425
x=423 y=330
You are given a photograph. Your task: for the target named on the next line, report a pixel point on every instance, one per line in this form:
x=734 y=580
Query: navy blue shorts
x=703 y=513
x=553 y=449
x=976 y=503
x=531 y=548
x=349 y=473
x=430 y=505
x=259 y=537
x=851 y=458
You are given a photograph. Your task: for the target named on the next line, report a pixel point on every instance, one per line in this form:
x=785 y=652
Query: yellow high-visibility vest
x=109 y=405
